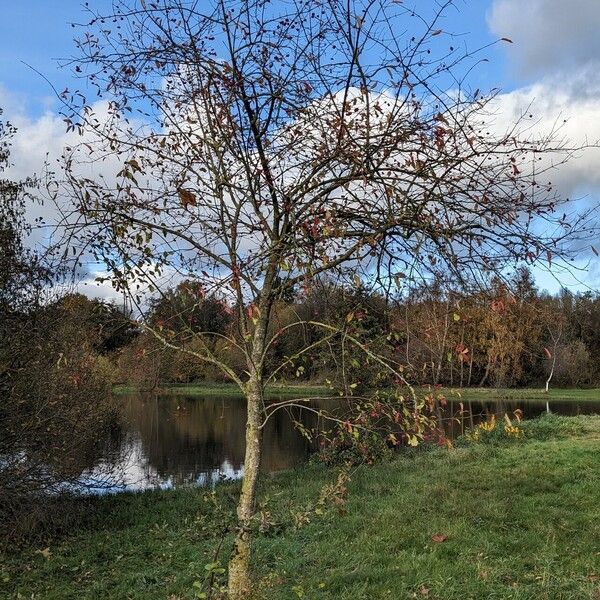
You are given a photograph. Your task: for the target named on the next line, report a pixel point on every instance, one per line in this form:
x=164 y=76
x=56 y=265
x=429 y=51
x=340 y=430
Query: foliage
x=54 y=417
x=21 y=271
x=373 y=427
x=460 y=338
x=491 y=431
x=187 y=309
x=55 y=377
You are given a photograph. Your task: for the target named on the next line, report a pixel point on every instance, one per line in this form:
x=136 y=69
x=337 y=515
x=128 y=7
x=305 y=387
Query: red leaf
x=187 y=198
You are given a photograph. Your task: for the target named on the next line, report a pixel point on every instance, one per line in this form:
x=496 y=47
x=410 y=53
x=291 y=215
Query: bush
x=373 y=428
x=56 y=413
x=543 y=428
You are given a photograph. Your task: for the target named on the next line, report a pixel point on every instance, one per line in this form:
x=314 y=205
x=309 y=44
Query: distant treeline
x=509 y=334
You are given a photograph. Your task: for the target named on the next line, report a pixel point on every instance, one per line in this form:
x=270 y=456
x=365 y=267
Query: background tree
x=263 y=144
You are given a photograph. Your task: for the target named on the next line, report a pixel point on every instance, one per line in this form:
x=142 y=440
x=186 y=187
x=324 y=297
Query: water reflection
x=178 y=440
x=192 y=440
x=460 y=416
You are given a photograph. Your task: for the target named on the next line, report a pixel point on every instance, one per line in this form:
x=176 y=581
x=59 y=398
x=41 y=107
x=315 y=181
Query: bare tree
x=261 y=144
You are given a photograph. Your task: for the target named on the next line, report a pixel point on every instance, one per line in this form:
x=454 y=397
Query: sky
x=552 y=64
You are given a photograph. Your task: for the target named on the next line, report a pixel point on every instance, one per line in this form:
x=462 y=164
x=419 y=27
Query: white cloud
x=548 y=34
x=557 y=103
x=552 y=99
x=557 y=48
x=37 y=146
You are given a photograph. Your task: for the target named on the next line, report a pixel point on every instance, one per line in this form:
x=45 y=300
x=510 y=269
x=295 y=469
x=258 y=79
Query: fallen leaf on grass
x=439 y=538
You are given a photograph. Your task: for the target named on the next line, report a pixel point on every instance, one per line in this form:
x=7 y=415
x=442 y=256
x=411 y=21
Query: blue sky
x=553 y=62
x=36 y=32
x=39 y=32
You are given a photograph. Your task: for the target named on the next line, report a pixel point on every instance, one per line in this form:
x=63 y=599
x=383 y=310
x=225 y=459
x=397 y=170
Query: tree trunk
x=470 y=368
x=239 y=582
x=551 y=371
x=487 y=373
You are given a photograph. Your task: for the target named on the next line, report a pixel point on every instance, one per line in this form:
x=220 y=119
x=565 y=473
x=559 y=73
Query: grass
x=518 y=519
x=525 y=394
x=225 y=389
x=472 y=394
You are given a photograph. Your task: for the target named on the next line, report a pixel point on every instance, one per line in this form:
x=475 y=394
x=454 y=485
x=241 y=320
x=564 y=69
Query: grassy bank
x=525 y=394
x=472 y=394
x=226 y=389
x=517 y=519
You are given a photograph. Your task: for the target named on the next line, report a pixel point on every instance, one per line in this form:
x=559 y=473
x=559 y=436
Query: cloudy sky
x=554 y=62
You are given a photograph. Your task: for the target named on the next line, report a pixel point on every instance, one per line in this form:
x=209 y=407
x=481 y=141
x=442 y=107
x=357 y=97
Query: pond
x=174 y=440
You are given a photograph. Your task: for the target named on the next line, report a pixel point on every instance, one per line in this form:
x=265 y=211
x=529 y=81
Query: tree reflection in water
x=175 y=440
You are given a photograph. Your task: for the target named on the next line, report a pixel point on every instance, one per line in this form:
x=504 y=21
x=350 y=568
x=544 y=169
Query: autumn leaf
x=253 y=312
x=45 y=553
x=187 y=198
x=436 y=32
x=134 y=164
x=439 y=538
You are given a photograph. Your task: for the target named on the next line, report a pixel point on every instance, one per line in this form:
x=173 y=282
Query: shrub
x=543 y=428
x=55 y=416
x=373 y=428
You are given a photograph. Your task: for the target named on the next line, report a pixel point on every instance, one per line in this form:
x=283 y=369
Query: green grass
x=225 y=389
x=525 y=394
x=473 y=394
x=522 y=521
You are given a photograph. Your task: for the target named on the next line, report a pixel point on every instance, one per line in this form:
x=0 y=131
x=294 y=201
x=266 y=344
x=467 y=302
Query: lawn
x=472 y=394
x=503 y=519
x=525 y=394
x=226 y=389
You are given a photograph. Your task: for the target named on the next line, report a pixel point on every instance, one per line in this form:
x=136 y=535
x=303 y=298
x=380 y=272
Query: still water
x=169 y=440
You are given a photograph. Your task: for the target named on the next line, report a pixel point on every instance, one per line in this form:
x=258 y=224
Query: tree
x=187 y=310
x=55 y=402
x=262 y=144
